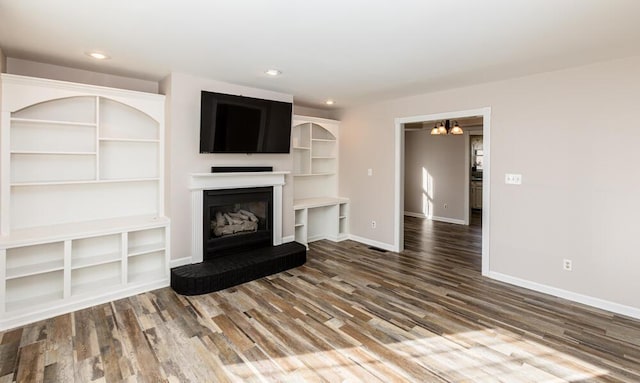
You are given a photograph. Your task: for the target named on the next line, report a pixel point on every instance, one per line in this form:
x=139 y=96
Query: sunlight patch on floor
x=478 y=356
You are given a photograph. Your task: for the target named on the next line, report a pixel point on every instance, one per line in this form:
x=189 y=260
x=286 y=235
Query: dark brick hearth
x=223 y=272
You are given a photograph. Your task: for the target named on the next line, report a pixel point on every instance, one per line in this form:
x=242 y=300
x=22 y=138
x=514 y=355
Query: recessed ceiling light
x=329 y=102
x=97 y=55
x=273 y=72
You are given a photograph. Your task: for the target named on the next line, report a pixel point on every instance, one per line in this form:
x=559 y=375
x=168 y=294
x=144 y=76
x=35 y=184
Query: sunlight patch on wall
x=427 y=193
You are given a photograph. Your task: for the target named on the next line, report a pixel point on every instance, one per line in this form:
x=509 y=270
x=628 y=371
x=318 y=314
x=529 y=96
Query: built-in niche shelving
x=319 y=212
x=81 y=196
x=315 y=150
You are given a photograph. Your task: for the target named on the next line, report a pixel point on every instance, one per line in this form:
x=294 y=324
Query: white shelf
x=101 y=285
x=153 y=141
x=87 y=182
x=301 y=148
x=308 y=203
x=323 y=157
x=145 y=276
x=38 y=152
x=146 y=249
x=53 y=122
x=29 y=303
x=299 y=225
x=323 y=140
x=96 y=260
x=53 y=233
x=28 y=270
x=116 y=180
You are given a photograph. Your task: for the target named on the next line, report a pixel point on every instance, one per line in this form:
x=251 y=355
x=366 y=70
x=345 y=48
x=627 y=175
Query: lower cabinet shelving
x=146 y=267
x=321 y=218
x=26 y=293
x=110 y=259
x=95 y=279
x=343 y=221
x=94 y=251
x=300 y=225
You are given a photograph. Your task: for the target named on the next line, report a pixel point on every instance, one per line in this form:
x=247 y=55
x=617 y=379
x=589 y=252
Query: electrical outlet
x=513 y=179
x=567 y=265
x=373 y=224
x=446 y=206
x=369 y=172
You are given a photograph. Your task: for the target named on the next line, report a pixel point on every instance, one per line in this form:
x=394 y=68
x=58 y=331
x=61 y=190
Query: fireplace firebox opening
x=236 y=220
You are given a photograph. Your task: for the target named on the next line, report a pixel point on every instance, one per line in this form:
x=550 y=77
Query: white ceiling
x=353 y=51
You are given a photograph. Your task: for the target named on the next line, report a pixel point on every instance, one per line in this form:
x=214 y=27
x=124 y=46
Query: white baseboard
x=447 y=220
x=289 y=238
x=371 y=242
x=435 y=218
x=338 y=238
x=179 y=262
x=569 y=295
x=314 y=238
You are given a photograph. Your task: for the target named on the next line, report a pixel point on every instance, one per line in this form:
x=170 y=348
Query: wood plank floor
x=351 y=314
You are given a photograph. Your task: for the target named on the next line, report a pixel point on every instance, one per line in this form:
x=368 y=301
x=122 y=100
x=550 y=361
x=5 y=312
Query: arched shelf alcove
x=315 y=150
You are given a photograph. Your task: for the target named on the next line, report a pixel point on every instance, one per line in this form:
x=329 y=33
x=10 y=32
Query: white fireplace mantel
x=216 y=181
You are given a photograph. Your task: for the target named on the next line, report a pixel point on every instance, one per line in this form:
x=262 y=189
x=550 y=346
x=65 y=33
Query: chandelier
x=444 y=127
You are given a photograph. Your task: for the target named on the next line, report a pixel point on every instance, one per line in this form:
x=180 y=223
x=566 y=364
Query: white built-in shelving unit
x=81 y=199
x=319 y=212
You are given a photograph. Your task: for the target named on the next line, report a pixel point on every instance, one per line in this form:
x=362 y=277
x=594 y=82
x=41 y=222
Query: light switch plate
x=513 y=179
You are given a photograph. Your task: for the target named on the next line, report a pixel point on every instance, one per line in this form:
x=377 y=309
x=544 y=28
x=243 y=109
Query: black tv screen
x=238 y=124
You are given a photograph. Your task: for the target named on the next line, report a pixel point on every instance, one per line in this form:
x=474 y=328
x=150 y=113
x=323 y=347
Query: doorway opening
x=433 y=204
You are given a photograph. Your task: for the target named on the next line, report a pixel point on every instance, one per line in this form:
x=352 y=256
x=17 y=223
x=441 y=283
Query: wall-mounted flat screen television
x=238 y=124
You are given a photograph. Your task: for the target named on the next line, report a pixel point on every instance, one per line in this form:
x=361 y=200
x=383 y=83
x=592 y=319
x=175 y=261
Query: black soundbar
x=240 y=169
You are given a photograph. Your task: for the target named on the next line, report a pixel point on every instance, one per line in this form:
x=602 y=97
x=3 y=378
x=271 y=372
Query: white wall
x=572 y=134
x=435 y=170
x=57 y=72
x=183 y=145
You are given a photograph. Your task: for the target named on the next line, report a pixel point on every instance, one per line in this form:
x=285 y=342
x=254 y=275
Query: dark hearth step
x=248 y=265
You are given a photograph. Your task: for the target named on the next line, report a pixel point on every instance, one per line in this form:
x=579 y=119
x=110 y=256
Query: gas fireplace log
x=232 y=223
x=224 y=230
x=219 y=219
x=249 y=214
x=249 y=226
x=239 y=216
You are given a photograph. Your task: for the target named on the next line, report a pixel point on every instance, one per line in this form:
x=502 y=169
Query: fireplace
x=235 y=251
x=236 y=220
